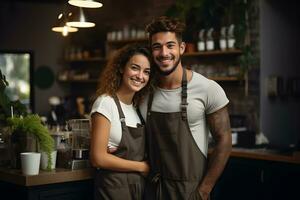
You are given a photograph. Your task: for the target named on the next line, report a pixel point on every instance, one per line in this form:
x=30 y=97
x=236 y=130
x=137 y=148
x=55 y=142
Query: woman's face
x=136 y=73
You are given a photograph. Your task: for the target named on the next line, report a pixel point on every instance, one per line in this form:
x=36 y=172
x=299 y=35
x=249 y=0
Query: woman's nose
x=140 y=75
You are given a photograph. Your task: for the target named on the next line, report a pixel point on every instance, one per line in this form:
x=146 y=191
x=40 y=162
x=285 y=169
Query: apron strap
x=140 y=116
x=121 y=114
x=150 y=99
x=184 y=103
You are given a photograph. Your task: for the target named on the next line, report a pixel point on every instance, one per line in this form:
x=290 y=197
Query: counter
x=266 y=154
x=58 y=175
x=260 y=174
x=61 y=175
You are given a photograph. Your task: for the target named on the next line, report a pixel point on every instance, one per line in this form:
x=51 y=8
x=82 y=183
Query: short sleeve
x=216 y=97
x=103 y=105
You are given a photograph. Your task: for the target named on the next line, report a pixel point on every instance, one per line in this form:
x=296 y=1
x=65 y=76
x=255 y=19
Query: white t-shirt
x=106 y=106
x=205 y=96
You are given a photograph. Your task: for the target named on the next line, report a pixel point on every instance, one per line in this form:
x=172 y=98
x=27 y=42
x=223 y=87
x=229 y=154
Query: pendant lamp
x=85 y=3
x=61 y=26
x=79 y=20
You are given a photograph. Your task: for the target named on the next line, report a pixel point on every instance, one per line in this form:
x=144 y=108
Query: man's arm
x=220 y=129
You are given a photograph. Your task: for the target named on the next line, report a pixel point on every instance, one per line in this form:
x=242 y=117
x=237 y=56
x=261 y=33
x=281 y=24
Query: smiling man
x=181 y=111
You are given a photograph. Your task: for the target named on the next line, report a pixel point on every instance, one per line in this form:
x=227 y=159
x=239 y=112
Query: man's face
x=166 y=51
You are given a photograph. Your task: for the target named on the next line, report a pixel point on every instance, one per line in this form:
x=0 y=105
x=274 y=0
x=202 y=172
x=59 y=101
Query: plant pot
x=190 y=47
x=44 y=160
x=20 y=142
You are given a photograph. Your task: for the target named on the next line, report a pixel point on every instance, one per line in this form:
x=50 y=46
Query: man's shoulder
x=199 y=81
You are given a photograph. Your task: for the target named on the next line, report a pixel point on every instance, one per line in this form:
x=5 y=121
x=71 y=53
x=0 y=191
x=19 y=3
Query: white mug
x=30 y=163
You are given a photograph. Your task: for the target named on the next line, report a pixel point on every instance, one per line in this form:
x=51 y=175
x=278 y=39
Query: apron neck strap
x=150 y=101
x=184 y=103
x=184 y=95
x=121 y=114
x=140 y=116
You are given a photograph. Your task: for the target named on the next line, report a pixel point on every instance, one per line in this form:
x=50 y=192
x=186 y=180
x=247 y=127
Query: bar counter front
x=249 y=174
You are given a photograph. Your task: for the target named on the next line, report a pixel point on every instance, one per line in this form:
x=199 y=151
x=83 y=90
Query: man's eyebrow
x=170 y=42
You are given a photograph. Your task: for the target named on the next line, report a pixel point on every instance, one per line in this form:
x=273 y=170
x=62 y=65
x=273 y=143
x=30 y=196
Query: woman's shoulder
x=103 y=100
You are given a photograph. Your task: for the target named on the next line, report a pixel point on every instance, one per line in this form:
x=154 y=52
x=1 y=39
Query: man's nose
x=164 y=51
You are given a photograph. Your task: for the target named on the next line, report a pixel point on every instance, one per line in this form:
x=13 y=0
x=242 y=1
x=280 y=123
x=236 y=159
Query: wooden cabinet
x=81 y=71
x=81 y=76
x=250 y=179
x=77 y=190
x=217 y=65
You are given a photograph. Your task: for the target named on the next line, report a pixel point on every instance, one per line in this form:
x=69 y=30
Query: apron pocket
x=105 y=193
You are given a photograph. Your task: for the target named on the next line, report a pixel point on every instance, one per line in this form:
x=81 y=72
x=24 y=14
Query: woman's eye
x=134 y=67
x=147 y=72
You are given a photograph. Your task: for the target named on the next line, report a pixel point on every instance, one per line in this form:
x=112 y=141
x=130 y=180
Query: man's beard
x=168 y=72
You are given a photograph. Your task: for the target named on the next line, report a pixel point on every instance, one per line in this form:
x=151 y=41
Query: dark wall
x=28 y=27
x=279 y=38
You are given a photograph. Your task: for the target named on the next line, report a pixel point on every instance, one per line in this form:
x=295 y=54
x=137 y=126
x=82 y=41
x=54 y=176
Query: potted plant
x=23 y=127
x=31 y=126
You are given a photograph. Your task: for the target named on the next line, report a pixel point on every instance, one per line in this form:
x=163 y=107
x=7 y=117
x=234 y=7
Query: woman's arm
x=103 y=159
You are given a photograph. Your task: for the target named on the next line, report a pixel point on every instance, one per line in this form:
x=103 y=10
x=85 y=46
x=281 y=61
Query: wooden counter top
x=61 y=175
x=264 y=154
x=58 y=175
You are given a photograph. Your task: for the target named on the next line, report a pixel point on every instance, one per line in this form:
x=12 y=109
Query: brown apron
x=177 y=164
x=112 y=185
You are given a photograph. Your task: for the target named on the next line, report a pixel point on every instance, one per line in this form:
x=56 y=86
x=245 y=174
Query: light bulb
x=65 y=31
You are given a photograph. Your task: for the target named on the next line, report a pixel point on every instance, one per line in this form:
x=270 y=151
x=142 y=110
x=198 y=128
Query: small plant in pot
x=31 y=126
x=22 y=127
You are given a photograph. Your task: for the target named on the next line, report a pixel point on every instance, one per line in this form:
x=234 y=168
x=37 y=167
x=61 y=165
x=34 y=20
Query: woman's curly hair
x=111 y=77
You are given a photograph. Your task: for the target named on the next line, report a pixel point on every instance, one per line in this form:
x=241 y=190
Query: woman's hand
x=145 y=168
x=111 y=149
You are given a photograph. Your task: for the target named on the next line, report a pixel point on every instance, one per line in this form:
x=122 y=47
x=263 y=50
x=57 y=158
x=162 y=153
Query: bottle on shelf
x=209 y=40
x=201 y=42
x=222 y=41
x=230 y=37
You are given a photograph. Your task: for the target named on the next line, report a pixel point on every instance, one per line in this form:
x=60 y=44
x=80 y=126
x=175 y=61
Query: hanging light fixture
x=62 y=27
x=86 y=3
x=79 y=20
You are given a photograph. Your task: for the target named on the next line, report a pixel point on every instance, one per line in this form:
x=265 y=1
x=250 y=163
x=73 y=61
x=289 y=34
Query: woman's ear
x=182 y=48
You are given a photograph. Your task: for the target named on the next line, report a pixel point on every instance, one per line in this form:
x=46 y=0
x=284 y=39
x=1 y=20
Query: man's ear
x=182 y=48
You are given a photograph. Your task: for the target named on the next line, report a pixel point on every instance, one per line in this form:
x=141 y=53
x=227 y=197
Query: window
x=18 y=70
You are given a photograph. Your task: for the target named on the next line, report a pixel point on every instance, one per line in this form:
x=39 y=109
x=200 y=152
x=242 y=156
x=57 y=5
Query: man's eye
x=171 y=46
x=155 y=47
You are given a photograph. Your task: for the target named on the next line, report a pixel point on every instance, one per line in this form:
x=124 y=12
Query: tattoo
x=220 y=129
x=219 y=122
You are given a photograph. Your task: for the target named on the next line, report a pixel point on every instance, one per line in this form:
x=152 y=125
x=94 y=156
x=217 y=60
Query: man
x=180 y=112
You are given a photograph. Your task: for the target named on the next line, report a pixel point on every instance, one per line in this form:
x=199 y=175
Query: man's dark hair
x=166 y=24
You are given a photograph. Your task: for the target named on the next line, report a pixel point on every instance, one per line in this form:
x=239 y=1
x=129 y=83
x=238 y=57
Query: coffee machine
x=80 y=131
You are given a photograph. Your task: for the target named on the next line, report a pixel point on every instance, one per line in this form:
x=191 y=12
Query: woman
x=117 y=139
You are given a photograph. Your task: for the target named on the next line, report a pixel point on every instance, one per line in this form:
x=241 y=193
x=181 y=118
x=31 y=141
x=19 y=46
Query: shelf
x=92 y=59
x=215 y=78
x=78 y=81
x=214 y=53
x=127 y=41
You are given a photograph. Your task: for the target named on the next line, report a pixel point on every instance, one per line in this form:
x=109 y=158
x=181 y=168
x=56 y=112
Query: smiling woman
x=118 y=138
